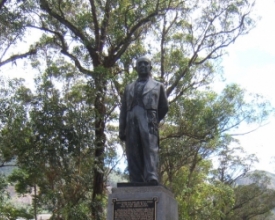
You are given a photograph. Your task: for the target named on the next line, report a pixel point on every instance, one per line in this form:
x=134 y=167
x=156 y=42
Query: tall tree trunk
x=100 y=139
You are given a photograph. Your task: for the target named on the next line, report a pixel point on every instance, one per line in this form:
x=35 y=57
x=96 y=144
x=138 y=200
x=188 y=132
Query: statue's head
x=143 y=66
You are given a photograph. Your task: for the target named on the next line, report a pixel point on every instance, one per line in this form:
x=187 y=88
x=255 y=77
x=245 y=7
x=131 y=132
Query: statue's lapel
x=149 y=86
x=132 y=89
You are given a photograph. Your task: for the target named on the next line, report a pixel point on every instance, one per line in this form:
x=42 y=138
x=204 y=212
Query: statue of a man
x=144 y=104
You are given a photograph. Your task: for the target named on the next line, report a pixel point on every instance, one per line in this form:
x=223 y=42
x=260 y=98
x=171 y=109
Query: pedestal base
x=142 y=203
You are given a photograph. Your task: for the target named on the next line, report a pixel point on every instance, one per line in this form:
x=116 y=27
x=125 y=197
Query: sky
x=251 y=63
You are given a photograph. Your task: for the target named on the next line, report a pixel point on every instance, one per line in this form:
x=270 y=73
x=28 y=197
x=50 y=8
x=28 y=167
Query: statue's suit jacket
x=153 y=97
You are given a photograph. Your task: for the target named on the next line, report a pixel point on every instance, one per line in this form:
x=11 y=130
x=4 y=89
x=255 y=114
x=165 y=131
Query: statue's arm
x=122 y=118
x=163 y=103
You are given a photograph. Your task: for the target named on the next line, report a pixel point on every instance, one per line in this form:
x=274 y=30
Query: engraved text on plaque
x=135 y=210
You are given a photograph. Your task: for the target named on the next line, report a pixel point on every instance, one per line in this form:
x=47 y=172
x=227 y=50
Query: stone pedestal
x=142 y=203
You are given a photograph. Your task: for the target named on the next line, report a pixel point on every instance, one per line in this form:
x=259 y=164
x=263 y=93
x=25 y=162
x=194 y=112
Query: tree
x=198 y=129
x=54 y=151
x=253 y=197
x=199 y=125
x=101 y=39
x=7 y=209
x=13 y=31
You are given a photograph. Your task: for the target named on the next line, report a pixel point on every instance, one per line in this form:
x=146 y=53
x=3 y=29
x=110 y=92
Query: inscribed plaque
x=135 y=210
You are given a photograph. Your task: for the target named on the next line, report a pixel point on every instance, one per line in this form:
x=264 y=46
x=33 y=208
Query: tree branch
x=45 y=6
x=104 y=25
x=121 y=47
x=205 y=36
x=18 y=56
x=64 y=49
x=97 y=34
x=165 y=31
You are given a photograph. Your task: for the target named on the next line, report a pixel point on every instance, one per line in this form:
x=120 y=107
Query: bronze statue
x=144 y=104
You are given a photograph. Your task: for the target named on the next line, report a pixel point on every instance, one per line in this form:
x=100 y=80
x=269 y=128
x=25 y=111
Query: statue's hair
x=143 y=58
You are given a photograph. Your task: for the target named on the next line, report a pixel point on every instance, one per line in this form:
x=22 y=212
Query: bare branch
x=45 y=6
x=212 y=54
x=96 y=25
x=132 y=35
x=192 y=85
x=178 y=78
x=18 y=56
x=64 y=49
x=104 y=24
x=165 y=31
x=248 y=132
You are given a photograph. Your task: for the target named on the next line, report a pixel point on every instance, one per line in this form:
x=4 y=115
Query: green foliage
x=198 y=197
x=3 y=185
x=63 y=135
x=54 y=147
x=196 y=129
x=7 y=209
x=254 y=198
x=11 y=212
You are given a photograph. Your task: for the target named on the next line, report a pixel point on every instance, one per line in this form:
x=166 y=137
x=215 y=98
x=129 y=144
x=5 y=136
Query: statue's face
x=144 y=67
